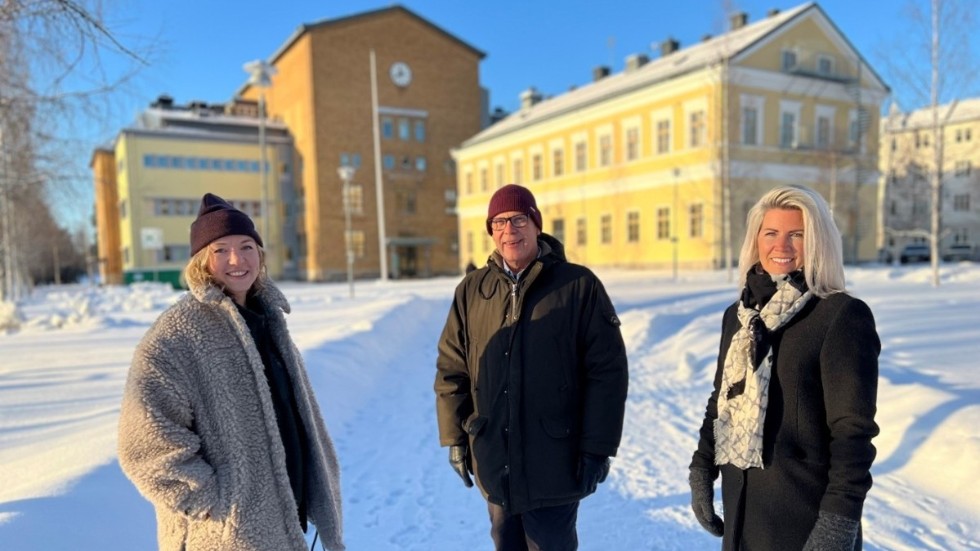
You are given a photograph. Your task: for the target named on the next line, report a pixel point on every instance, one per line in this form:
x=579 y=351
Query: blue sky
x=201 y=45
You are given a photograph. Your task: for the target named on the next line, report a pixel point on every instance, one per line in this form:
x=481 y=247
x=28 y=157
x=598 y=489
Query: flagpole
x=378 y=187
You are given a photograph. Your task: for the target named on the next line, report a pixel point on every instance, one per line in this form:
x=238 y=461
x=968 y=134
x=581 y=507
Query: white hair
x=823 y=258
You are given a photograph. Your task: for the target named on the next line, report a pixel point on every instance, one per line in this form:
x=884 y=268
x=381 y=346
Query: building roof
x=323 y=23
x=695 y=57
x=962 y=111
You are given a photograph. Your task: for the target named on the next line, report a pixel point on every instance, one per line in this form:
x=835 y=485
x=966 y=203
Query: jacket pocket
x=556 y=428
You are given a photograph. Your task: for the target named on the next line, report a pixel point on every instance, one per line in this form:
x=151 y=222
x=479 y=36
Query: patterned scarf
x=744 y=393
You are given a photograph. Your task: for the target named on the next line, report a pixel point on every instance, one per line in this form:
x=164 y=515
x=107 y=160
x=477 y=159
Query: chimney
x=163 y=102
x=706 y=38
x=635 y=61
x=600 y=73
x=668 y=47
x=773 y=12
x=530 y=97
x=739 y=20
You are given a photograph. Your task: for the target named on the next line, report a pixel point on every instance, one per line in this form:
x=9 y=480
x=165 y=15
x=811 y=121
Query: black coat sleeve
x=849 y=373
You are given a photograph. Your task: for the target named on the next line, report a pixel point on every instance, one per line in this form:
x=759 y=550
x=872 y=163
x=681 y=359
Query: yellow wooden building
x=657 y=165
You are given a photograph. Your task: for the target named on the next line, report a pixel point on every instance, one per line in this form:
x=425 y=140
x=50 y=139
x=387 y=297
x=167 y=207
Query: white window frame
x=793 y=108
x=759 y=104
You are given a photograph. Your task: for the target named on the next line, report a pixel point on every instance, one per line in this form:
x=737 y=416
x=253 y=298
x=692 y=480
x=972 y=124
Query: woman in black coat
x=790 y=421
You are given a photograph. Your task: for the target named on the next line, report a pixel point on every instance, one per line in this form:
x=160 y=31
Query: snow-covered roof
x=694 y=57
x=963 y=110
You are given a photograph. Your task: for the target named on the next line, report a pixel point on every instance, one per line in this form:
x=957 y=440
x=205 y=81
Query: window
x=409 y=202
x=403 y=129
x=469 y=243
x=450 y=197
x=961 y=202
x=605 y=228
x=558 y=160
x=355 y=196
x=787 y=129
x=484 y=185
x=149 y=161
x=518 y=172
x=962 y=168
x=605 y=150
x=697 y=128
x=388 y=161
x=176 y=253
x=581 y=237
x=161 y=207
x=452 y=239
x=469 y=183
x=536 y=167
x=663 y=136
x=788 y=60
x=663 y=223
x=825 y=65
x=633 y=227
x=855 y=127
x=558 y=229
x=696 y=224
x=420 y=131
x=387 y=128
x=356 y=240
x=750 y=125
x=499 y=177
x=632 y=144
x=580 y=157
x=823 y=132
x=420 y=164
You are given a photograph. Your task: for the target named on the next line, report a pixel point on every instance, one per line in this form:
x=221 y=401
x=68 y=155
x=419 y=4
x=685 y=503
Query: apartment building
x=656 y=166
x=149 y=186
x=908 y=157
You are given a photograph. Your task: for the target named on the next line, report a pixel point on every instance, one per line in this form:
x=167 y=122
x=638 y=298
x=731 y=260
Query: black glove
x=703 y=500
x=832 y=532
x=592 y=469
x=459 y=458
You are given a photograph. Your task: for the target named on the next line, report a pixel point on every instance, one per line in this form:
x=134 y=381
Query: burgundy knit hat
x=216 y=219
x=513 y=197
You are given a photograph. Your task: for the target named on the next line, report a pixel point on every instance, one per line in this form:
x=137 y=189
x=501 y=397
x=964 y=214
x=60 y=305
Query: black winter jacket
x=531 y=375
x=817 y=450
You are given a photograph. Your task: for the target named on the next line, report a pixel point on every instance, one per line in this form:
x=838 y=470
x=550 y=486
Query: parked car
x=915 y=252
x=957 y=252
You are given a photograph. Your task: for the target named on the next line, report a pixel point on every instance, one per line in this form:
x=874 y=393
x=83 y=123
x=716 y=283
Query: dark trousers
x=544 y=529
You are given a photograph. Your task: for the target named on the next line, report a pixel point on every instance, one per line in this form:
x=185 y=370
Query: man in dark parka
x=531 y=380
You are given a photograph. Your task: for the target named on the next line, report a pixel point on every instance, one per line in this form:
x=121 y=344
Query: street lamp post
x=260 y=76
x=677 y=218
x=346 y=175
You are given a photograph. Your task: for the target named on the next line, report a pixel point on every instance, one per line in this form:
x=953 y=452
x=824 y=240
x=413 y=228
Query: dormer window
x=788 y=60
x=825 y=65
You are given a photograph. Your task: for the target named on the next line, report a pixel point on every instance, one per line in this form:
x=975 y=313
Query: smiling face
x=234 y=263
x=780 y=241
x=517 y=246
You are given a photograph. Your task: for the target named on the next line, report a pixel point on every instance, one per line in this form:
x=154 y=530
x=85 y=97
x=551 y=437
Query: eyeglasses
x=518 y=221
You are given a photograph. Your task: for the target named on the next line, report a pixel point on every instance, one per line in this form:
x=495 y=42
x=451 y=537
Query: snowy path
x=371 y=361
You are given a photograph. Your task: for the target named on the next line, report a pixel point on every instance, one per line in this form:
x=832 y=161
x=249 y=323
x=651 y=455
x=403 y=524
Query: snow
x=371 y=361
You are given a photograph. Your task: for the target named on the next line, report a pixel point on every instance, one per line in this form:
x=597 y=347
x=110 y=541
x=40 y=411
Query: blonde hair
x=197 y=275
x=823 y=264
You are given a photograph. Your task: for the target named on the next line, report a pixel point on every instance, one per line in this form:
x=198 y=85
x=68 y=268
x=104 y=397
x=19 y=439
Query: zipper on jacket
x=513 y=301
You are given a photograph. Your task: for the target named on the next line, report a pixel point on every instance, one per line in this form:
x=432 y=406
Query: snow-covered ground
x=372 y=365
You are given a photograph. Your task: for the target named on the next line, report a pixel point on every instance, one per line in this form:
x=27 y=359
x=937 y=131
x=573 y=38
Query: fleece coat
x=817 y=451
x=198 y=433
x=531 y=374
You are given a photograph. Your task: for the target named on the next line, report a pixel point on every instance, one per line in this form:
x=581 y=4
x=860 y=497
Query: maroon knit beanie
x=216 y=219
x=513 y=197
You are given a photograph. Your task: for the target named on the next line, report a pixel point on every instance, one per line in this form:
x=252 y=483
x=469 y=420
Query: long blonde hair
x=197 y=275
x=823 y=265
